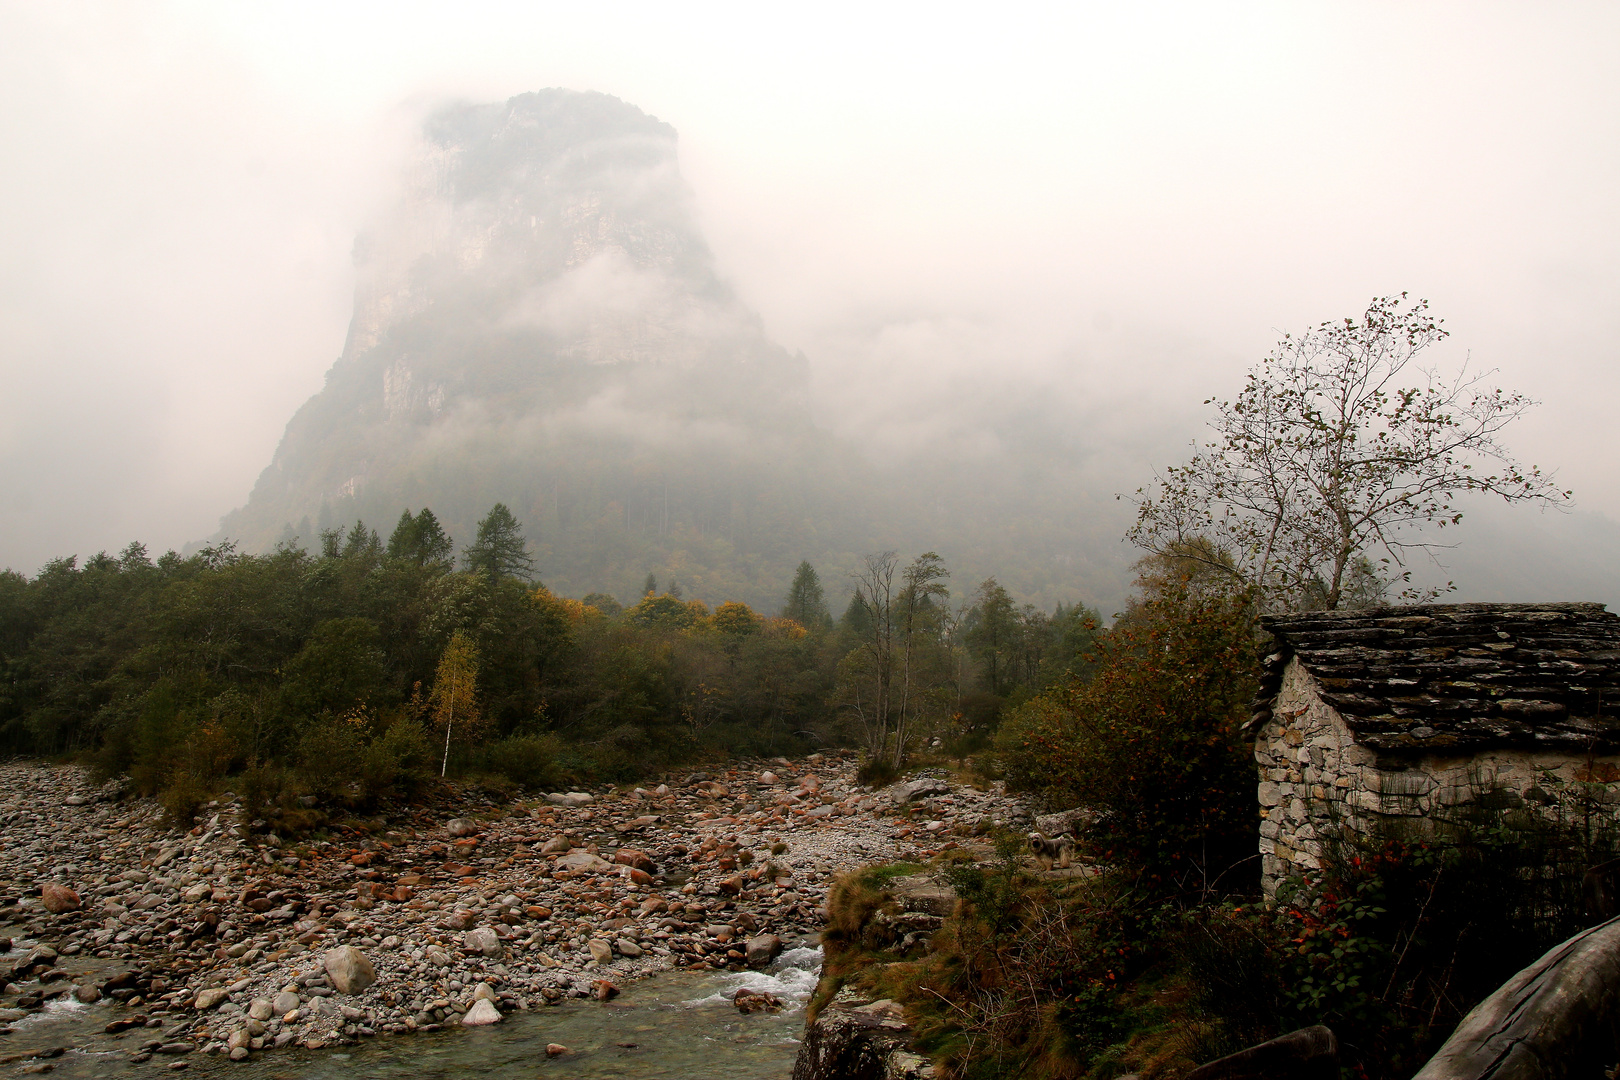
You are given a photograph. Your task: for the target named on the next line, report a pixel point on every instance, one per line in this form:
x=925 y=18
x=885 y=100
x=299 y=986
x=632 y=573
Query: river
x=674 y=1024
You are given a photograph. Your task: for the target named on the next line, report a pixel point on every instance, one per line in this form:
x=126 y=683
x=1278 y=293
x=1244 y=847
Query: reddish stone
x=633 y=857
x=59 y=898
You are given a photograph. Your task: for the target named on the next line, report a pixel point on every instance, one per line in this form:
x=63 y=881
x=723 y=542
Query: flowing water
x=675 y=1024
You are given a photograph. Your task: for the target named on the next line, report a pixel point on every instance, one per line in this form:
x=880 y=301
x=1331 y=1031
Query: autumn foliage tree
x=736 y=619
x=454 y=700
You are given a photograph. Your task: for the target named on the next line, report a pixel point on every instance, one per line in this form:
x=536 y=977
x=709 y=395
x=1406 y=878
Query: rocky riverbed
x=228 y=939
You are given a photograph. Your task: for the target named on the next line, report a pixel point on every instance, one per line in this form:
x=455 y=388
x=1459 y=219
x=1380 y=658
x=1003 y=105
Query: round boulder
x=207 y=999
x=59 y=898
x=481 y=1013
x=349 y=969
x=482 y=941
x=763 y=949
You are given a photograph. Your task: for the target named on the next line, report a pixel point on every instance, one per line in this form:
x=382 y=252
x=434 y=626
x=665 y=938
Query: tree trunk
x=449 y=722
x=1559 y=1017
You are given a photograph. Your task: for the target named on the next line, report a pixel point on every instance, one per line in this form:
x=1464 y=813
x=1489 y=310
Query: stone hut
x=1392 y=713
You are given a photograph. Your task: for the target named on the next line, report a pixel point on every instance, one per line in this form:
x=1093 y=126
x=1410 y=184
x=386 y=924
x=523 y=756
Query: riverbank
x=217 y=938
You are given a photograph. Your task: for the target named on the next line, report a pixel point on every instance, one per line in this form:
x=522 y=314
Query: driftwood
x=1559 y=1017
x=1307 y=1054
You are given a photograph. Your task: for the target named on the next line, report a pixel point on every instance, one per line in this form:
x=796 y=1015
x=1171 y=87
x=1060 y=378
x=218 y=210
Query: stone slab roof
x=1457 y=678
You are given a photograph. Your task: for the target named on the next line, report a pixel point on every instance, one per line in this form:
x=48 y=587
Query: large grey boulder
x=483 y=941
x=349 y=969
x=761 y=950
x=584 y=861
x=1558 y=1017
x=921 y=893
x=850 y=1044
x=921 y=788
x=482 y=1012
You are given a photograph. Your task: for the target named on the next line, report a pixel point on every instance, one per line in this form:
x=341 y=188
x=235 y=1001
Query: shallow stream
x=674 y=1024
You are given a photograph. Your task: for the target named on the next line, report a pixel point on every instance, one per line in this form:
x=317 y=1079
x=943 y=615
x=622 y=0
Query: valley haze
x=980 y=276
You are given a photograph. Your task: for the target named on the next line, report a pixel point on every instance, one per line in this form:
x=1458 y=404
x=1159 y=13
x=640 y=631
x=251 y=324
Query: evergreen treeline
x=363 y=668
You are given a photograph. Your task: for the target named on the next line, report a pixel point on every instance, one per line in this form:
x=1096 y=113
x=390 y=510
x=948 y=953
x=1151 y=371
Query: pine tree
x=992 y=635
x=361 y=543
x=806 y=603
x=402 y=541
x=500 y=550
x=857 y=620
x=421 y=540
x=433 y=544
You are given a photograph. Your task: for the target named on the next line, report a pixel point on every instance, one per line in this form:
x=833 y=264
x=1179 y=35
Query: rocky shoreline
x=227 y=939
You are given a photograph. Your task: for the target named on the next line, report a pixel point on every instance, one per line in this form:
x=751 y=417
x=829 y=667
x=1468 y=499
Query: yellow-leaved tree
x=454 y=699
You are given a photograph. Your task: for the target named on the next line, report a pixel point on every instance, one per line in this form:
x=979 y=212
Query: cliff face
x=538 y=321
x=559 y=218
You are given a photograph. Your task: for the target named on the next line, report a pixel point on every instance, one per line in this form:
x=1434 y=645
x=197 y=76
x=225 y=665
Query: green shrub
x=181 y=798
x=626 y=753
x=330 y=758
x=879 y=877
x=1152 y=744
x=398 y=763
x=528 y=761
x=1398 y=936
x=877 y=772
x=261 y=787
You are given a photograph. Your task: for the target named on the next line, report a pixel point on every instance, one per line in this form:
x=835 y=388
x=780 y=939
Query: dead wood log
x=1559 y=1017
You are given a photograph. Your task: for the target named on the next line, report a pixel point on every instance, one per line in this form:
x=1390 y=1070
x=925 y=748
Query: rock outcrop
x=853 y=1039
x=540 y=297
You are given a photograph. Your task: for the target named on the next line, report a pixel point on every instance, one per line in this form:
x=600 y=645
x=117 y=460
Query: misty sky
x=956 y=212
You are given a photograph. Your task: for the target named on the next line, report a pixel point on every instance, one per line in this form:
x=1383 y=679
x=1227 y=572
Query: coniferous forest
x=379 y=663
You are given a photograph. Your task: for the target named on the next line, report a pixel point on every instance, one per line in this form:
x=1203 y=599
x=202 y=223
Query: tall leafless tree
x=1338 y=447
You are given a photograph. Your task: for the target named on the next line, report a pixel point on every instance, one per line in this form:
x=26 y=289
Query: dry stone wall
x=1316 y=782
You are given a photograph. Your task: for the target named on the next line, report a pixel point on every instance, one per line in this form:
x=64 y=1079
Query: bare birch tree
x=454 y=699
